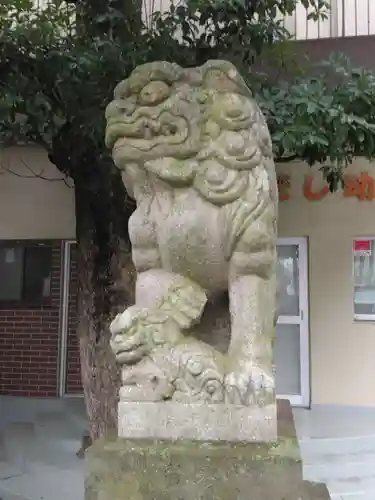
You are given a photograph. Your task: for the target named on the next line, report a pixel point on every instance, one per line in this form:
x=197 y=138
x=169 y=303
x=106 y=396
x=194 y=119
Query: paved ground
x=39 y=440
x=38 y=449
x=338 y=448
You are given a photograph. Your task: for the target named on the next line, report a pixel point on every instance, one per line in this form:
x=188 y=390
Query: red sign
x=362 y=247
x=359 y=186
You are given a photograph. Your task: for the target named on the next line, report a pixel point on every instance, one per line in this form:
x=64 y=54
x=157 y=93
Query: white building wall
x=346 y=18
x=35 y=202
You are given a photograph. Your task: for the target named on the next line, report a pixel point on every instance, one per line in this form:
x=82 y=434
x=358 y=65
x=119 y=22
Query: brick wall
x=29 y=342
x=73 y=368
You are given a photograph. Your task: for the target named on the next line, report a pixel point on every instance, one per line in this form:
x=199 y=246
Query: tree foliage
x=57 y=73
x=328 y=119
x=238 y=30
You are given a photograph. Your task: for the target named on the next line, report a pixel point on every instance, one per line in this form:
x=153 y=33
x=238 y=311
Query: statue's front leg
x=152 y=281
x=166 y=294
x=152 y=286
x=252 y=307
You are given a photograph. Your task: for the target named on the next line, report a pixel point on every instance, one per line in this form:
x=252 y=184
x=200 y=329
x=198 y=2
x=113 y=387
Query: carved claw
x=145 y=386
x=250 y=386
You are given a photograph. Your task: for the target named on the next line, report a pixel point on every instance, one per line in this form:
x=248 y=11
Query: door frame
x=66 y=259
x=302 y=400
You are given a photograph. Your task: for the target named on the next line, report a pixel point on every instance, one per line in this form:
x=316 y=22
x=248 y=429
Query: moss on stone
x=120 y=469
x=146 y=468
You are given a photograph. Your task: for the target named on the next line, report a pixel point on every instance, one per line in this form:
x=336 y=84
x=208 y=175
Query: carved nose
x=117 y=339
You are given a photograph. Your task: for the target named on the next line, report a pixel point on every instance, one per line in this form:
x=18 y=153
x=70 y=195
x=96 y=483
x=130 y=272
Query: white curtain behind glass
x=287 y=358
x=288 y=280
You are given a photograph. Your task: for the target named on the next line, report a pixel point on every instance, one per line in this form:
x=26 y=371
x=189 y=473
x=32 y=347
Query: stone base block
x=123 y=469
x=197 y=422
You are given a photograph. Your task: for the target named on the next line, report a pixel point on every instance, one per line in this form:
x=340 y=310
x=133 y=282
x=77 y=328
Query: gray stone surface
x=196 y=154
x=338 y=447
x=5 y=495
x=38 y=445
x=196 y=421
x=184 y=470
x=120 y=469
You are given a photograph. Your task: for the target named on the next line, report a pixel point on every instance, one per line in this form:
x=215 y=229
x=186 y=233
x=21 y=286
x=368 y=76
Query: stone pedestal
x=139 y=469
x=197 y=422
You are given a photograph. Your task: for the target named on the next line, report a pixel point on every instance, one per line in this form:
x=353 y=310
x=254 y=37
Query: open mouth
x=127 y=348
x=130 y=356
x=145 y=132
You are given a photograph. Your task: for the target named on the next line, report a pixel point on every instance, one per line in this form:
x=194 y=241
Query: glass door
x=291 y=351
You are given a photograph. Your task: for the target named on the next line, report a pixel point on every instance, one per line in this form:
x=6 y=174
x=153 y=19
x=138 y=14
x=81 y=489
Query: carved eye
x=234 y=107
x=169 y=129
x=213 y=386
x=154 y=93
x=232 y=111
x=194 y=367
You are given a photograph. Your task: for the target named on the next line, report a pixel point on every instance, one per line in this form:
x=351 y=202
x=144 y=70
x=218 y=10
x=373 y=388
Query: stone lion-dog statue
x=196 y=155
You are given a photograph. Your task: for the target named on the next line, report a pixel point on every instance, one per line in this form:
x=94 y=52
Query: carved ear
x=224 y=77
x=121 y=90
x=218 y=80
x=146 y=73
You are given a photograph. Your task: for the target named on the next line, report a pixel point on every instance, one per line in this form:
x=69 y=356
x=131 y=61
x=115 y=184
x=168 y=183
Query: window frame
x=28 y=303
x=360 y=317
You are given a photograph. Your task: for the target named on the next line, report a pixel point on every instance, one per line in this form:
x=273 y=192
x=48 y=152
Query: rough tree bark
x=105 y=270
x=105 y=277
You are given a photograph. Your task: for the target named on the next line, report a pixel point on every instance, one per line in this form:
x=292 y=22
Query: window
x=25 y=272
x=288 y=280
x=364 y=278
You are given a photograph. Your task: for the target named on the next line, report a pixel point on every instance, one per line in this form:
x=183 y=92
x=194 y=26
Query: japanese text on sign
x=360 y=186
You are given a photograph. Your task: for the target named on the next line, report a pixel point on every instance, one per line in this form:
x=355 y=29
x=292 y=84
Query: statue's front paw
x=250 y=386
x=151 y=390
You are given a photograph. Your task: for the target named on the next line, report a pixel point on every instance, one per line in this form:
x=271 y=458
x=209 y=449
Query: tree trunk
x=100 y=374
x=105 y=270
x=105 y=287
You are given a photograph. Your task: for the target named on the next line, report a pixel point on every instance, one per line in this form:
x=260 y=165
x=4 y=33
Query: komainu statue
x=196 y=154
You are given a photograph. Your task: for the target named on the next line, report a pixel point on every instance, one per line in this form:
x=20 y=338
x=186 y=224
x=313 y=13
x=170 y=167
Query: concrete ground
x=39 y=440
x=338 y=448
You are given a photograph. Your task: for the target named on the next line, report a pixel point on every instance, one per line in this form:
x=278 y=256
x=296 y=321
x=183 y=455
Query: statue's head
x=153 y=115
x=174 y=121
x=129 y=337
x=137 y=332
